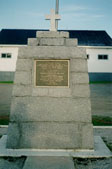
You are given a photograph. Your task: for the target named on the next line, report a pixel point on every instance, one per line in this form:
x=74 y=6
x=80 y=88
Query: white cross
x=53 y=17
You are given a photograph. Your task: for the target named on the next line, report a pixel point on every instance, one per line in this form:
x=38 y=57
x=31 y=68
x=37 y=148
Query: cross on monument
x=53 y=17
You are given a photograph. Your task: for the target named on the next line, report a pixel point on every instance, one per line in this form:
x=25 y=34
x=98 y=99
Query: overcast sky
x=75 y=14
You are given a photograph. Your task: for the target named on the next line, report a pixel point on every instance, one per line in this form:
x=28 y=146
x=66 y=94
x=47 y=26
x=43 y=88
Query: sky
x=75 y=14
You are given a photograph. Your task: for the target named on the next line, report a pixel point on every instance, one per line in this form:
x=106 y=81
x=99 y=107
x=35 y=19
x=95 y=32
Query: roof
x=85 y=37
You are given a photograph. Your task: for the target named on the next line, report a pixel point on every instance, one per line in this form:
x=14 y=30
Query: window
x=87 y=56
x=6 y=55
x=103 y=57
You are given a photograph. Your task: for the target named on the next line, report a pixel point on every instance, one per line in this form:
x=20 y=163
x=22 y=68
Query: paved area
x=101 y=99
x=5 y=99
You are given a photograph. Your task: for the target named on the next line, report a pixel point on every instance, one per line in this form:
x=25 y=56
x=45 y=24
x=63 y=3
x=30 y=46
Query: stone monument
x=50 y=105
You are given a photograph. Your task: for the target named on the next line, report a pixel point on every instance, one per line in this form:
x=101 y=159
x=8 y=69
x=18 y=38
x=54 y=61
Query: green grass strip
x=6 y=82
x=96 y=120
x=101 y=121
x=4 y=120
x=102 y=82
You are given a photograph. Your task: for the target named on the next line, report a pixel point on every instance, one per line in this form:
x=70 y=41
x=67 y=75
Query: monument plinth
x=51 y=99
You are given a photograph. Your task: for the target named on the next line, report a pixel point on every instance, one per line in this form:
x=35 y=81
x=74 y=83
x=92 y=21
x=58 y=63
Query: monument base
x=100 y=151
x=51 y=159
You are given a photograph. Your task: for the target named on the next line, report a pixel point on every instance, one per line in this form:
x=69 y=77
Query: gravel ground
x=93 y=163
x=12 y=163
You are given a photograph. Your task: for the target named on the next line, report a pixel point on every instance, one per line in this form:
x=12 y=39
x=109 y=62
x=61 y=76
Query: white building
x=99 y=63
x=98 y=46
x=8 y=58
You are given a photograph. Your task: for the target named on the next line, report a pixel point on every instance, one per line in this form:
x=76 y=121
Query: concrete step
x=49 y=163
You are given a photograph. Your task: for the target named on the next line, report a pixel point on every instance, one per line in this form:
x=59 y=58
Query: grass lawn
x=96 y=120
x=6 y=82
x=4 y=120
x=100 y=82
x=102 y=121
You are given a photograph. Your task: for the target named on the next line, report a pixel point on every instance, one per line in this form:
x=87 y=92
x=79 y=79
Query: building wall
x=8 y=64
x=6 y=76
x=97 y=66
x=99 y=70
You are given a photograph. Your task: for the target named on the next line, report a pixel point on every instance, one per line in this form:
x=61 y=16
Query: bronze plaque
x=52 y=73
